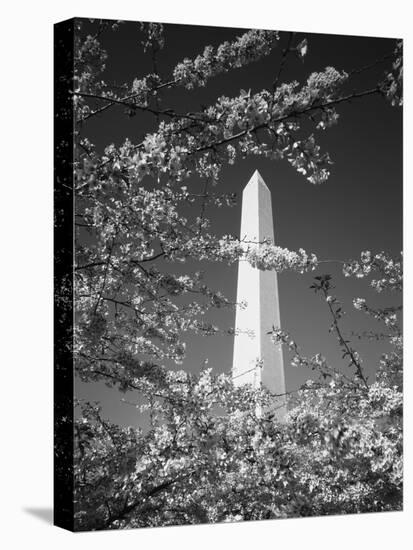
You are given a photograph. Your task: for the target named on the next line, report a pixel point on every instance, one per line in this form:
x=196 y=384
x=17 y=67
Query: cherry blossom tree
x=207 y=455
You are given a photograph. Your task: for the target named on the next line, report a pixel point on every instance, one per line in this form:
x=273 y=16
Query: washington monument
x=257 y=361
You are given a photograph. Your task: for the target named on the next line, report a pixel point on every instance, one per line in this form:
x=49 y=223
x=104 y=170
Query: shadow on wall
x=45 y=514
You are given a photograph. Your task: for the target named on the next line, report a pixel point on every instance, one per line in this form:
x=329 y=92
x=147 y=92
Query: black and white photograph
x=228 y=274
x=205 y=222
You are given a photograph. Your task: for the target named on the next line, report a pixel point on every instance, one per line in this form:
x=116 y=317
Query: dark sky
x=358 y=208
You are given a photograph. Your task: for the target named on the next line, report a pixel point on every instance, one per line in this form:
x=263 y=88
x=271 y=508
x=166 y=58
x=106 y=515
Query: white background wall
x=26 y=269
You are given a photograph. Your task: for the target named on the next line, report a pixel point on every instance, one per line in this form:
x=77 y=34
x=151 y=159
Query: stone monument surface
x=256 y=360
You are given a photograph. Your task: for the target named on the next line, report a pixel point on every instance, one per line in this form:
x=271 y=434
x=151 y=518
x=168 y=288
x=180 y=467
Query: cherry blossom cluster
x=393 y=83
x=240 y=124
x=266 y=255
x=386 y=315
x=229 y=55
x=153 y=35
x=389 y=270
x=249 y=47
x=143 y=89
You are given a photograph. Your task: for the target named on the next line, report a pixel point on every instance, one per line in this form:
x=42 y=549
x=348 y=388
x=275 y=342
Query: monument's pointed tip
x=256 y=179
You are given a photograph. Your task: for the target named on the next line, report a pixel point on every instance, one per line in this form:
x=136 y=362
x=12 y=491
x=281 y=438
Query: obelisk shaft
x=257 y=360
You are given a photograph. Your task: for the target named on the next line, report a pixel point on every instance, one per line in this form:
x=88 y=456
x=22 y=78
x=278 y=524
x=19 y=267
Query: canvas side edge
x=63 y=276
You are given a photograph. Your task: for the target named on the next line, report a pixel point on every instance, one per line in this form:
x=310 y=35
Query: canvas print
x=228 y=274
